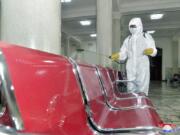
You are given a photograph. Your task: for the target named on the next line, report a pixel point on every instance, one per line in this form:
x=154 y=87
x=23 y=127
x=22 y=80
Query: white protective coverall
x=137 y=66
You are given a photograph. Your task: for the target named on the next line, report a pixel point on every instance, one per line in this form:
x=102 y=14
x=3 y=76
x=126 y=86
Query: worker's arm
x=151 y=48
x=122 y=55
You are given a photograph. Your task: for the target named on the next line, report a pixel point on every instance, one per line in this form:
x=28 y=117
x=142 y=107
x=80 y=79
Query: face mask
x=133 y=30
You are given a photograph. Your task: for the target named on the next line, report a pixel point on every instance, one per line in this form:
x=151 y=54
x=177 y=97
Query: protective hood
x=138 y=26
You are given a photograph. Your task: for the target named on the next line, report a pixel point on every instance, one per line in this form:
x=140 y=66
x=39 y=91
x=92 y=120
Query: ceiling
x=169 y=26
x=73 y=27
x=79 y=3
x=79 y=10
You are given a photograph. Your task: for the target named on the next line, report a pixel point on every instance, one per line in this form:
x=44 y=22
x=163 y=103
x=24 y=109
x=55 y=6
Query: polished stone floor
x=166 y=99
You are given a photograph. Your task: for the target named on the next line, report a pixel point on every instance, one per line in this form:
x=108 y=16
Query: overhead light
x=85 y=23
x=156 y=16
x=93 y=35
x=65 y=1
x=151 y=31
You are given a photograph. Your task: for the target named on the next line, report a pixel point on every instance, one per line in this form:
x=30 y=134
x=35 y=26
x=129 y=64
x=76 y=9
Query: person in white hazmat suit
x=136 y=49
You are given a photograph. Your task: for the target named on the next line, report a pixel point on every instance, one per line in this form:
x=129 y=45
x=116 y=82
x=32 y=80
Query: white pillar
x=116 y=42
x=32 y=23
x=179 y=54
x=104 y=29
x=175 y=54
x=116 y=38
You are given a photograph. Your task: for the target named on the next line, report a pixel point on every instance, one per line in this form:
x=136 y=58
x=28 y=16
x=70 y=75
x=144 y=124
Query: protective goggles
x=133 y=26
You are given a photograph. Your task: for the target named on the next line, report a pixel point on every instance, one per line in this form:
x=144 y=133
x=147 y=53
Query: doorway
x=156 y=66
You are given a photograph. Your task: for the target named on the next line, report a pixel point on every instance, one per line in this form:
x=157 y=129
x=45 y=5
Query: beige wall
x=167 y=59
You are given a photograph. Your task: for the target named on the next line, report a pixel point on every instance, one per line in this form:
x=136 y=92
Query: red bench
x=106 y=119
x=116 y=75
x=130 y=100
x=44 y=93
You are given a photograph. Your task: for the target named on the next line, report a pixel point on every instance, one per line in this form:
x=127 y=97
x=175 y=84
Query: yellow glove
x=115 y=56
x=148 y=51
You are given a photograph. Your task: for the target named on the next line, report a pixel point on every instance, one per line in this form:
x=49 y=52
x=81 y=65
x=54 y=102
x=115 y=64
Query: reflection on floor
x=167 y=101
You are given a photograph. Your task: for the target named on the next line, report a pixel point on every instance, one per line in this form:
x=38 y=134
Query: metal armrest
x=125 y=81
